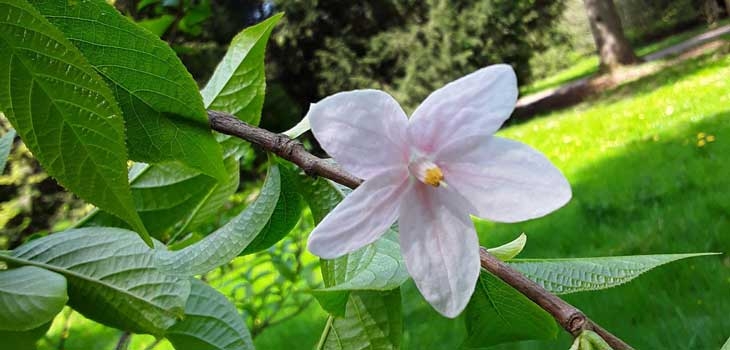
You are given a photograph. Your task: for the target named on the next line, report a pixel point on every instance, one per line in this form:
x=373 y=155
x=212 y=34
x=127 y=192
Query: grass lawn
x=649 y=163
x=587 y=65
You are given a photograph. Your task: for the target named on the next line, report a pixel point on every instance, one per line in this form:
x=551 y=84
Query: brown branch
x=282 y=146
x=568 y=316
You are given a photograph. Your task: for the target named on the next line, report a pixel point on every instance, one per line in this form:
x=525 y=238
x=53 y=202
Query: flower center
x=433 y=176
x=427 y=172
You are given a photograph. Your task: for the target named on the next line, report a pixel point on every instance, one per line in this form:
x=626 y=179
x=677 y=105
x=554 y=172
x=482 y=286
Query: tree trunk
x=711 y=10
x=727 y=7
x=613 y=48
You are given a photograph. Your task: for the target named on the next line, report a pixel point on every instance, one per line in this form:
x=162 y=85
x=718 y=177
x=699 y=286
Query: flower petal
x=440 y=247
x=361 y=218
x=363 y=130
x=505 y=180
x=476 y=104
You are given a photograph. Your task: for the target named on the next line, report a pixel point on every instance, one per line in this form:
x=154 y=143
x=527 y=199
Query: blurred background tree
x=612 y=46
x=405 y=47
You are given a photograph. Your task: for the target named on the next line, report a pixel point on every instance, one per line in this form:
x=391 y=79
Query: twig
x=568 y=316
x=123 y=342
x=153 y=344
x=257 y=330
x=65 y=329
x=286 y=294
x=282 y=146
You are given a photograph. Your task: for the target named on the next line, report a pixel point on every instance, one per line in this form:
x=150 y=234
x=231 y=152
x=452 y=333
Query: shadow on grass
x=659 y=196
x=560 y=79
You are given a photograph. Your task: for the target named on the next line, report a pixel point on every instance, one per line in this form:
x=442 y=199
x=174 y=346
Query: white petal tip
x=323 y=254
x=453 y=307
x=321 y=249
x=452 y=313
x=501 y=66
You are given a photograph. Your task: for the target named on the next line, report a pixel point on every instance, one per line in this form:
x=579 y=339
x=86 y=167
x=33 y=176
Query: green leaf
x=509 y=250
x=334 y=302
x=30 y=297
x=321 y=195
x=6 y=143
x=563 y=276
x=211 y=323
x=157 y=26
x=227 y=242
x=215 y=196
x=378 y=266
x=161 y=206
x=164 y=194
x=112 y=277
x=727 y=345
x=497 y=313
x=372 y=320
x=172 y=196
x=234 y=147
x=25 y=340
x=238 y=84
x=160 y=101
x=63 y=111
x=285 y=216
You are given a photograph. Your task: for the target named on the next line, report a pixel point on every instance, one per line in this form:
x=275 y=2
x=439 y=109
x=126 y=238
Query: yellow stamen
x=433 y=176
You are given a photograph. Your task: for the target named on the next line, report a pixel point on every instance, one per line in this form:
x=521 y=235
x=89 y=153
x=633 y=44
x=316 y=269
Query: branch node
x=290 y=146
x=576 y=323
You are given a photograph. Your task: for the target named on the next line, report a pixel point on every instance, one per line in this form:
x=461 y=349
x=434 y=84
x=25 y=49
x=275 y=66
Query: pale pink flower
x=430 y=172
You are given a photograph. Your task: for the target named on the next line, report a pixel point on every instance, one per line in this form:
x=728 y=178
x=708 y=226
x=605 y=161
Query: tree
x=613 y=48
x=405 y=47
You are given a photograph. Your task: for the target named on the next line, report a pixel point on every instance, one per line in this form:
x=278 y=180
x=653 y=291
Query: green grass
x=588 y=65
x=641 y=185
